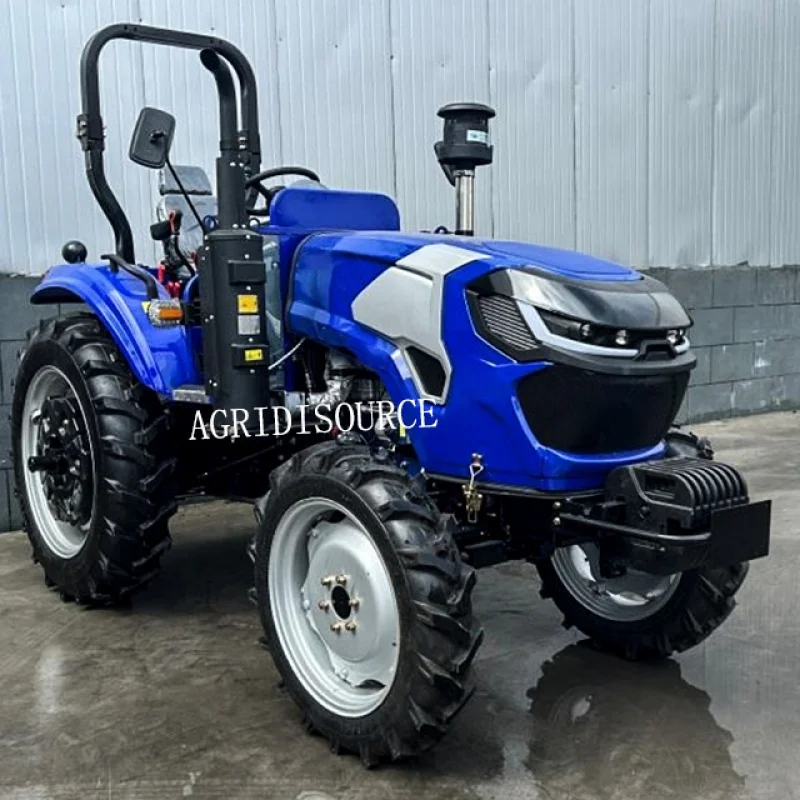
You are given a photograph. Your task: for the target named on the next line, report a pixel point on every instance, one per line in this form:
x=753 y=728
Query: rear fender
x=160 y=358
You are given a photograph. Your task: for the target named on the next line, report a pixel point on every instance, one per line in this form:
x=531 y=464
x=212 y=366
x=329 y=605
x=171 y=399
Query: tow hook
x=473 y=499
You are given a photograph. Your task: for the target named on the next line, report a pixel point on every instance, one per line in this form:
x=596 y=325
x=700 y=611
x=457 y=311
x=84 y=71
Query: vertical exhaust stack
x=464 y=146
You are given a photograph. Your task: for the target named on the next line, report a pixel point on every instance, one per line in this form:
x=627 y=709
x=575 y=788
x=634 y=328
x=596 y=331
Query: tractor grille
x=585 y=412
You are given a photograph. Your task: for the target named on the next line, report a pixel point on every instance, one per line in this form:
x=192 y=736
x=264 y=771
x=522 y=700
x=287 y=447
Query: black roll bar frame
x=90 y=122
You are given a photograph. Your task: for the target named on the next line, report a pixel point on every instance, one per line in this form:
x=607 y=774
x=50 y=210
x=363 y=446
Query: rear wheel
x=638 y=615
x=365 y=602
x=91 y=460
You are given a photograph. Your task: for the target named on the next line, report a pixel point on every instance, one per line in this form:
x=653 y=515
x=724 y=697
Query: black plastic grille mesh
x=503 y=319
x=579 y=411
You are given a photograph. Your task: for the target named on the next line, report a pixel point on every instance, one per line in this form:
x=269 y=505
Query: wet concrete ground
x=174 y=698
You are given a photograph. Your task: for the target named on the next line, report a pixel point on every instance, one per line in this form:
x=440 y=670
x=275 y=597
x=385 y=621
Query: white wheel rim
x=334 y=607
x=65 y=539
x=631 y=597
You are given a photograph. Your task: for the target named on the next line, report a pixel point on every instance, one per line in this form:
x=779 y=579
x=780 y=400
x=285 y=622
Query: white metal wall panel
x=335 y=90
x=785 y=200
x=742 y=120
x=44 y=195
x=611 y=67
x=440 y=55
x=659 y=132
x=681 y=67
x=176 y=80
x=532 y=90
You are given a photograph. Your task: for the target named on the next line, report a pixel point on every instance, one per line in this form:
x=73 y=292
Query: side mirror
x=152 y=138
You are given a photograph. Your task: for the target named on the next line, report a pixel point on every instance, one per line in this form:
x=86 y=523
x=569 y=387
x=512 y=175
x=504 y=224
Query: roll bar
x=90 y=122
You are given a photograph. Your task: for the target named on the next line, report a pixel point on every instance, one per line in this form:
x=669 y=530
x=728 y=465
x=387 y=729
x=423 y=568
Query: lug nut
x=341 y=580
x=324 y=605
x=336 y=627
x=328 y=580
x=556 y=521
x=355 y=602
x=351 y=626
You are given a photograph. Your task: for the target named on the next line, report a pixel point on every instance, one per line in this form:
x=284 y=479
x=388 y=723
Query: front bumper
x=669 y=516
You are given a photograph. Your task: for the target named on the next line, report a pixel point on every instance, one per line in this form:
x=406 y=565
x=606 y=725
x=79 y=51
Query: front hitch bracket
x=669 y=516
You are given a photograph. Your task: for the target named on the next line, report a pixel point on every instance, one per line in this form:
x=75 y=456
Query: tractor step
x=486 y=553
x=191 y=393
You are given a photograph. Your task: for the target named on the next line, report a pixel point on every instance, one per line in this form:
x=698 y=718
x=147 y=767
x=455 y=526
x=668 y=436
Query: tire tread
x=133 y=433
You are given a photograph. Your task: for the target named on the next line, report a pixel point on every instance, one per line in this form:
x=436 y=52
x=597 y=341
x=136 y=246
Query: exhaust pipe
x=464 y=146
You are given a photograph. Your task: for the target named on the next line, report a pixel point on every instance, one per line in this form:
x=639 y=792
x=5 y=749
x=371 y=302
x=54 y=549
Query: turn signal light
x=164 y=313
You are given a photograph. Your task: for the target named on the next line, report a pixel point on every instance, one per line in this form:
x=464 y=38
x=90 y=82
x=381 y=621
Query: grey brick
x=71 y=308
x=8 y=368
x=734 y=286
x=760 y=394
x=712 y=401
x=792 y=383
x=18 y=313
x=692 y=286
x=712 y=326
x=702 y=372
x=776 y=357
x=6 y=523
x=5 y=437
x=755 y=323
x=683 y=412
x=775 y=285
x=659 y=273
x=732 y=362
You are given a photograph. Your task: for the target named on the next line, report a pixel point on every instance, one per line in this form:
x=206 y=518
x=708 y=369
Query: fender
x=160 y=358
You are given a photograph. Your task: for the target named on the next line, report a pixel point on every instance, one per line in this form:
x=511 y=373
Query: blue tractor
x=403 y=408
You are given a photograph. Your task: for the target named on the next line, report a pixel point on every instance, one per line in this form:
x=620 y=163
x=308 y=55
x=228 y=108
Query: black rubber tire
x=702 y=601
x=133 y=466
x=439 y=635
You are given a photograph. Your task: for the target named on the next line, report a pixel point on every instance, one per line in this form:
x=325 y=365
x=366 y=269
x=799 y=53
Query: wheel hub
x=63 y=457
x=334 y=606
x=627 y=597
x=354 y=614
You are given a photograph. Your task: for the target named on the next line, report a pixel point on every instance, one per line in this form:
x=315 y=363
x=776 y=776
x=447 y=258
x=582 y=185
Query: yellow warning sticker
x=254 y=354
x=248 y=303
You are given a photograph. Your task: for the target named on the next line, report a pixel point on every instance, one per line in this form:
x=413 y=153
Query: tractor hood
x=392 y=247
x=571 y=284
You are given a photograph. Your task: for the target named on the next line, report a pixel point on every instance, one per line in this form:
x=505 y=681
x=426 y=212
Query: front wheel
x=365 y=603
x=638 y=615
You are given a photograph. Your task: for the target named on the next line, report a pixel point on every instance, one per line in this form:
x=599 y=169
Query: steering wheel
x=268 y=193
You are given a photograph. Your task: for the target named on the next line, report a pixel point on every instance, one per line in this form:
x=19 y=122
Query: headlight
x=519 y=330
x=524 y=313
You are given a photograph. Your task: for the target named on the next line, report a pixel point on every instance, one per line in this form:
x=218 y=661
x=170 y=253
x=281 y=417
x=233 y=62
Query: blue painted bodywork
x=331 y=245
x=161 y=358
x=481 y=412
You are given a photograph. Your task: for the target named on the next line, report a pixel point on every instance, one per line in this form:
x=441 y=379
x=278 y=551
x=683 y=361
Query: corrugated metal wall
x=655 y=132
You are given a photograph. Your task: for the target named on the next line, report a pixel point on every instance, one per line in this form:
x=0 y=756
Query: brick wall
x=746 y=336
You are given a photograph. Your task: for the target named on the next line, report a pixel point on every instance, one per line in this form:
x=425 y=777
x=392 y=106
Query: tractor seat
x=198 y=187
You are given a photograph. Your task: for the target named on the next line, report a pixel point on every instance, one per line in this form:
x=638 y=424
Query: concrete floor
x=174 y=698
